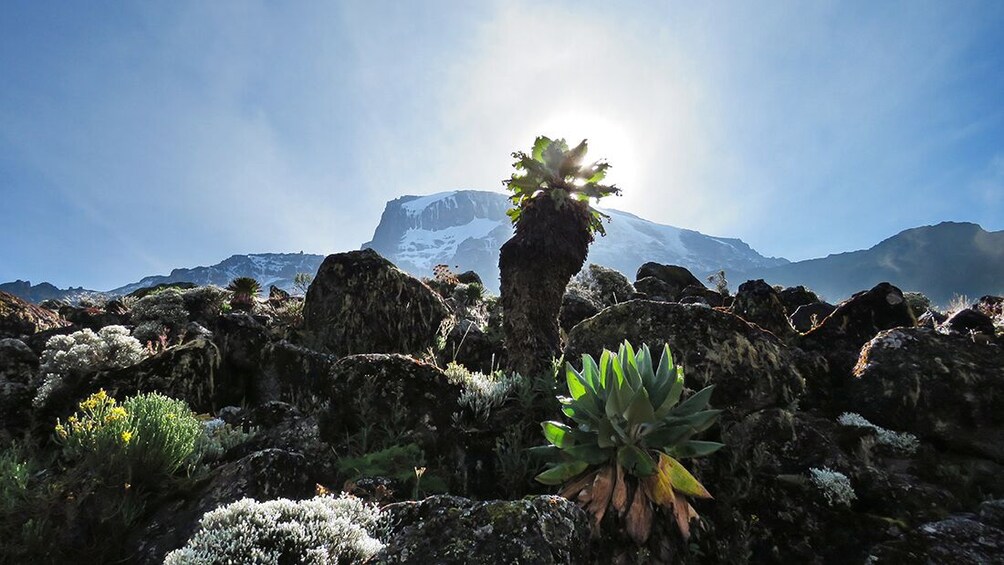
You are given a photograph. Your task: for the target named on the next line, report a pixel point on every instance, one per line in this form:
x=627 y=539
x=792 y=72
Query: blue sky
x=139 y=137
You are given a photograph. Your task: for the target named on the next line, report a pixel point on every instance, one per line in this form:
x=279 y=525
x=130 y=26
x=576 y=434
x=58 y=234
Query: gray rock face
x=751 y=368
x=941 y=387
x=360 y=303
x=449 y=529
x=968 y=320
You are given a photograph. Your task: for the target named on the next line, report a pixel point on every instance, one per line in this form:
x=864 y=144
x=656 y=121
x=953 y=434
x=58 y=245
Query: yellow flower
x=61 y=431
x=116 y=413
x=126 y=436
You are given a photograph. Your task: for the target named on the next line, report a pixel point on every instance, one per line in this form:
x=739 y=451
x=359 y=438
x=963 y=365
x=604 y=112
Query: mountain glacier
x=465 y=229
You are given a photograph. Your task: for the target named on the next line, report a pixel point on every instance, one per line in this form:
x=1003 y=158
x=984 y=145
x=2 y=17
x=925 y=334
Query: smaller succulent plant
x=244 y=290
x=631 y=429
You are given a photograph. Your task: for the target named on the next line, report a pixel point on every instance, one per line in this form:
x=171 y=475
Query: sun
x=609 y=140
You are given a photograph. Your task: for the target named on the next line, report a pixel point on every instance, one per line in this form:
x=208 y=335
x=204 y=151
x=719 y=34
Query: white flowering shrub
x=481 y=393
x=834 y=485
x=322 y=530
x=159 y=314
x=85 y=352
x=903 y=442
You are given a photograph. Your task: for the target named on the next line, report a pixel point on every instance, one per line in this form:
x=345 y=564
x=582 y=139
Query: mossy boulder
x=965 y=539
x=840 y=336
x=759 y=303
x=449 y=529
x=751 y=368
x=675 y=277
x=808 y=316
x=945 y=388
x=360 y=302
x=20 y=318
x=381 y=392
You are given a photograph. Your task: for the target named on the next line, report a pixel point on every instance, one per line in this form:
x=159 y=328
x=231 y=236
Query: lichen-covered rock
x=449 y=529
x=360 y=302
x=751 y=368
x=241 y=340
x=19 y=318
x=808 y=316
x=942 y=387
x=294 y=374
x=93 y=317
x=757 y=302
x=766 y=508
x=676 y=277
x=18 y=367
x=607 y=286
x=575 y=307
x=839 y=337
x=391 y=391
x=794 y=296
x=964 y=539
x=968 y=321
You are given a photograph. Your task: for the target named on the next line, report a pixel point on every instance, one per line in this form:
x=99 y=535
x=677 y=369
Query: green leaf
x=606 y=435
x=645 y=369
x=640 y=410
x=667 y=436
x=700 y=421
x=592 y=454
x=590 y=372
x=573 y=160
x=698 y=401
x=539 y=145
x=576 y=384
x=605 y=369
x=696 y=448
x=635 y=461
x=561 y=473
x=557 y=433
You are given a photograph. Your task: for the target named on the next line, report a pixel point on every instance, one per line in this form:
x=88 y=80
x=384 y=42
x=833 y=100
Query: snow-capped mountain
x=465 y=229
x=268 y=268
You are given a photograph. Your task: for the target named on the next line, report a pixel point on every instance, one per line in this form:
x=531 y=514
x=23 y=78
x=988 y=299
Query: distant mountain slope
x=466 y=228
x=269 y=268
x=940 y=261
x=44 y=291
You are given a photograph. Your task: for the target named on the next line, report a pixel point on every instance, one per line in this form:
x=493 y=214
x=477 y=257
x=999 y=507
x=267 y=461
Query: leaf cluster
x=552 y=169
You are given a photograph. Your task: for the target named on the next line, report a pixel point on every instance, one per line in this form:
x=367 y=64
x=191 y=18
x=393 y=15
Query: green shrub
x=16 y=469
x=404 y=464
x=630 y=429
x=217 y=438
x=917 y=302
x=141 y=441
x=322 y=530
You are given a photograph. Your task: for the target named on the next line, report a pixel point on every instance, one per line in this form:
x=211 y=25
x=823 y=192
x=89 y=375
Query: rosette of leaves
x=631 y=429
x=244 y=290
x=552 y=168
